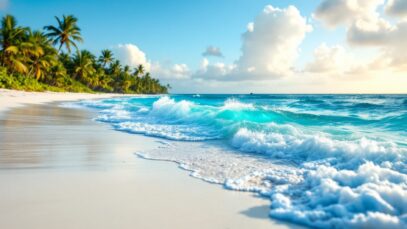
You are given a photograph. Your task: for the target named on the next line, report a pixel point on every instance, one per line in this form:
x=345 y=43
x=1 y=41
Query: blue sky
x=177 y=32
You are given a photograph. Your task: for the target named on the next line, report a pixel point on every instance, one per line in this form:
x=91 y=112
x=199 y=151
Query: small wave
x=70 y=105
x=170 y=132
x=324 y=161
x=234 y=104
x=165 y=106
x=312 y=100
x=290 y=143
x=367 y=105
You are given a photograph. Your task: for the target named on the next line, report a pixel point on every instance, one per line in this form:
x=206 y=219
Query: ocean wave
x=290 y=143
x=169 y=108
x=370 y=197
x=345 y=184
x=324 y=161
x=367 y=105
x=234 y=104
x=171 y=132
x=317 y=193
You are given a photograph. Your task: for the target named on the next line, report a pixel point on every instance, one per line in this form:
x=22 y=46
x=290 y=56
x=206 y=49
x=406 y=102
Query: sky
x=243 y=46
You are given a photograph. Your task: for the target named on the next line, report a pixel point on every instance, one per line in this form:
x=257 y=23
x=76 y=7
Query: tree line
x=35 y=60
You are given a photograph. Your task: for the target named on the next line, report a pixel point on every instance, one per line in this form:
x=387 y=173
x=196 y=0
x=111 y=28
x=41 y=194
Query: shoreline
x=14 y=98
x=135 y=192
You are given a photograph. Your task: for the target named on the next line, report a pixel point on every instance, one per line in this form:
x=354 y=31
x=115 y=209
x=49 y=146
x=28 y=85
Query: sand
x=13 y=98
x=59 y=169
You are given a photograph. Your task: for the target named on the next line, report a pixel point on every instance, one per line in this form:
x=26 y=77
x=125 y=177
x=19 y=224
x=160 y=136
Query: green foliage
x=29 y=61
x=20 y=82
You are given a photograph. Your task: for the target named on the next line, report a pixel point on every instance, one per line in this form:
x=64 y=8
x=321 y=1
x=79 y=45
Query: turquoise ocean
x=325 y=161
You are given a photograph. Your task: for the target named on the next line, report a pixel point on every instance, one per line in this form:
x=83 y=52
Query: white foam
x=317 y=176
x=167 y=107
x=285 y=141
x=70 y=105
x=234 y=104
x=172 y=132
x=341 y=184
x=329 y=197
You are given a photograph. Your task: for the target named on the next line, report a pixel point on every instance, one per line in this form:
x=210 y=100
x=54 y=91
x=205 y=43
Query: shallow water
x=323 y=160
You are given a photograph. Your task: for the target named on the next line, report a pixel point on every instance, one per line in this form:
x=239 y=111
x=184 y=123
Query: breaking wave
x=326 y=161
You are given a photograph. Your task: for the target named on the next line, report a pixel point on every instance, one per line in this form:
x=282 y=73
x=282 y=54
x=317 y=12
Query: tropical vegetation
x=49 y=59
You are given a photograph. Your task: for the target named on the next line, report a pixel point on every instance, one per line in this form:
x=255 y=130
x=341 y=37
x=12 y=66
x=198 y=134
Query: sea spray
x=323 y=160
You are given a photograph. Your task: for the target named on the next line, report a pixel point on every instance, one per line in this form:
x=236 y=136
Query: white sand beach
x=59 y=169
x=13 y=98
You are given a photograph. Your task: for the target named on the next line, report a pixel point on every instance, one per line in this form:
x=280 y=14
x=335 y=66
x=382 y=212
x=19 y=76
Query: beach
x=60 y=169
x=289 y=115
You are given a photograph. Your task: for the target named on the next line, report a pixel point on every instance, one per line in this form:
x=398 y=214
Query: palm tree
x=58 y=73
x=15 y=60
x=115 y=68
x=42 y=65
x=10 y=34
x=126 y=69
x=106 y=57
x=42 y=56
x=139 y=70
x=66 y=33
x=83 y=66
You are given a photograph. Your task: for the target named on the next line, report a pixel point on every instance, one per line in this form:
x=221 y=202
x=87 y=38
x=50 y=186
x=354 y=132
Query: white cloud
x=173 y=72
x=375 y=50
x=374 y=32
x=212 y=51
x=335 y=12
x=271 y=43
x=250 y=27
x=396 y=8
x=214 y=71
x=329 y=60
x=368 y=28
x=130 y=54
x=269 y=49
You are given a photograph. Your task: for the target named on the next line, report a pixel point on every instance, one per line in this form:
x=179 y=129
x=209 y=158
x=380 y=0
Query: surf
x=323 y=160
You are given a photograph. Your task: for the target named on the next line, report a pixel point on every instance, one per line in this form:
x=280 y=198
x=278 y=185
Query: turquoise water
x=348 y=152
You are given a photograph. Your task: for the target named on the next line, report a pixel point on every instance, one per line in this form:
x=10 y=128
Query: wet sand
x=59 y=169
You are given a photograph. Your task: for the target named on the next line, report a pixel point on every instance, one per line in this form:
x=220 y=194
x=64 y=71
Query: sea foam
x=324 y=161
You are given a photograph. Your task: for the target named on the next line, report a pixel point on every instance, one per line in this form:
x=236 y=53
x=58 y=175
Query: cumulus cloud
x=368 y=28
x=212 y=51
x=337 y=62
x=214 y=71
x=270 y=46
x=174 y=71
x=329 y=59
x=131 y=55
x=335 y=12
x=396 y=8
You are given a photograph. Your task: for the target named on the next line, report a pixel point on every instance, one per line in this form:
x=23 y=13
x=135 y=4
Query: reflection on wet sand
x=48 y=135
x=58 y=169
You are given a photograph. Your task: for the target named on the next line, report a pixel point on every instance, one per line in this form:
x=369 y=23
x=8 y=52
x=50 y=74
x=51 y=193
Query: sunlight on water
x=323 y=160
